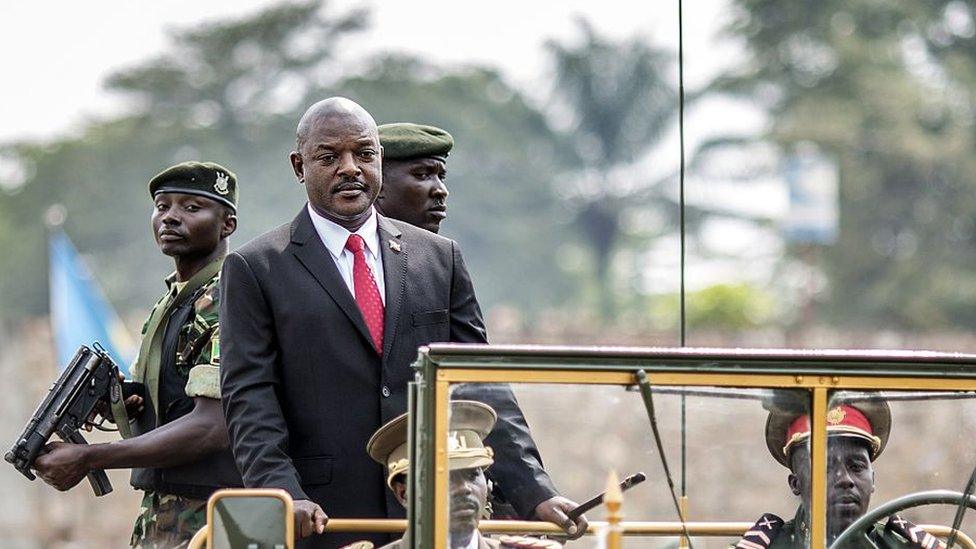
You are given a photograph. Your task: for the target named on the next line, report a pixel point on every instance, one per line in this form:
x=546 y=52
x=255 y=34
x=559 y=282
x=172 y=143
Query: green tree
x=211 y=97
x=229 y=75
x=726 y=307
x=620 y=102
x=886 y=89
x=228 y=92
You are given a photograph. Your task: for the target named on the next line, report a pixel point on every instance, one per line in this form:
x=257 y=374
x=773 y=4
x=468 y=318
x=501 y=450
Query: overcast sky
x=54 y=55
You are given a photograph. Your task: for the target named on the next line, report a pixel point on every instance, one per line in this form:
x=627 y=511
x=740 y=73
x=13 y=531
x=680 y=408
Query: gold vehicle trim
x=763 y=381
x=630 y=528
x=199 y=540
x=817 y=385
x=818 y=468
x=250 y=492
x=944 y=531
x=496 y=352
x=442 y=396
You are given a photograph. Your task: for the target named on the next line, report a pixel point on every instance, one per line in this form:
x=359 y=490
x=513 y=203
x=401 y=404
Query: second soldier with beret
x=177 y=443
x=413 y=191
x=414 y=170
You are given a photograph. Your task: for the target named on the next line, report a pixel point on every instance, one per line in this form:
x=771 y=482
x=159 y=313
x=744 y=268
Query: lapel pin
x=395 y=246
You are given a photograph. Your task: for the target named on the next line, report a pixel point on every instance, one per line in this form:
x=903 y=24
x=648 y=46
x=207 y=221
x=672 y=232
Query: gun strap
x=117 y=404
x=151 y=350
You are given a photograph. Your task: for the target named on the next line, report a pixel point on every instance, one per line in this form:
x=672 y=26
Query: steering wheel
x=859 y=529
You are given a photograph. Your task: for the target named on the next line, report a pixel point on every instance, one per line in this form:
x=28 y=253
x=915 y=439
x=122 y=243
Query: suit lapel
x=315 y=257
x=394 y=254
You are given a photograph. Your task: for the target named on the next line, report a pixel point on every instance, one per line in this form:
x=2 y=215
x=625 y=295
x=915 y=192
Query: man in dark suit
x=321 y=319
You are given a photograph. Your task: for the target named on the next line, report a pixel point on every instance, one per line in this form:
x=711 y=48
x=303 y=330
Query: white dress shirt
x=334 y=236
x=475 y=541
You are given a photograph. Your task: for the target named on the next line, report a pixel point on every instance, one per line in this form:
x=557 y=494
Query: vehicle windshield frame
x=819 y=372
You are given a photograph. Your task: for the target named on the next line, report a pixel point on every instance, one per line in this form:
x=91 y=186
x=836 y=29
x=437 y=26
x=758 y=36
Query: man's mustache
x=352 y=185
x=847 y=497
x=465 y=503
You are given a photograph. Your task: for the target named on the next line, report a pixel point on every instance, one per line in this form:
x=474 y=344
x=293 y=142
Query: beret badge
x=221 y=184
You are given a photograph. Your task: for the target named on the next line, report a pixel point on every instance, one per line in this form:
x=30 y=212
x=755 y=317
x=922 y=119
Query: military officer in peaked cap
x=857 y=434
x=414 y=170
x=468 y=457
x=177 y=443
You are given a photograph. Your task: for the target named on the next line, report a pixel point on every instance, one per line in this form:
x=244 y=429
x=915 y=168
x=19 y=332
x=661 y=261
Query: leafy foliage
x=620 y=103
x=724 y=307
x=885 y=88
x=232 y=92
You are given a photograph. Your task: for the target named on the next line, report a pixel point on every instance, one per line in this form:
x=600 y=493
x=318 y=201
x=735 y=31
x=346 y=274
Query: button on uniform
x=386 y=391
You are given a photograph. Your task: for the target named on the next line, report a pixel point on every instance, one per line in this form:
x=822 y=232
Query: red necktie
x=367 y=293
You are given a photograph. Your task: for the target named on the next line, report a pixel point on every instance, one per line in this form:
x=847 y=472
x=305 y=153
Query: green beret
x=200 y=178
x=403 y=141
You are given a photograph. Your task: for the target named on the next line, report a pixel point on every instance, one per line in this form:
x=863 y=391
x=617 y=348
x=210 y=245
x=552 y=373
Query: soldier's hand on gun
x=309 y=518
x=62 y=465
x=554 y=510
x=134 y=405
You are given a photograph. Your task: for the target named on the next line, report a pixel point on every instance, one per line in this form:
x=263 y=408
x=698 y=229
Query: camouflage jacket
x=198 y=347
x=165 y=519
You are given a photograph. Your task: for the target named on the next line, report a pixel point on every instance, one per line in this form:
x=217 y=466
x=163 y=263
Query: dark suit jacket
x=303 y=389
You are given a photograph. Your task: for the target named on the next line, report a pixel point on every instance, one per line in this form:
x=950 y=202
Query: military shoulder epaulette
x=208 y=294
x=523 y=542
x=914 y=534
x=762 y=533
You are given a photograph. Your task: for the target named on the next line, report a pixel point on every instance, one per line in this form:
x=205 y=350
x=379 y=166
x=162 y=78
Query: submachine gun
x=90 y=377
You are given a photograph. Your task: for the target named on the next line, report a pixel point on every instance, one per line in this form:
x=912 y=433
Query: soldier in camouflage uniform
x=177 y=442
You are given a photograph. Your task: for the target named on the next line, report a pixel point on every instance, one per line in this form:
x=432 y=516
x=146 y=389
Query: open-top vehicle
x=707 y=412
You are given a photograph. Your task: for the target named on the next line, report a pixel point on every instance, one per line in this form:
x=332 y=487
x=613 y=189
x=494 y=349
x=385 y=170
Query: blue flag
x=80 y=314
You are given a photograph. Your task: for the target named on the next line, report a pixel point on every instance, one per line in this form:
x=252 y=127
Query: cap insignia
x=835 y=416
x=221 y=185
x=456 y=442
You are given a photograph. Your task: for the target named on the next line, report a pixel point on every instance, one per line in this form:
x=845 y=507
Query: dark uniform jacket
x=771 y=532
x=303 y=388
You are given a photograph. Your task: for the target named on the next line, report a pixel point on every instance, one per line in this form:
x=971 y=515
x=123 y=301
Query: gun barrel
x=65 y=408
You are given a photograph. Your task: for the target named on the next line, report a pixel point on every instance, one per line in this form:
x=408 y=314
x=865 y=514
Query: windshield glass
x=722 y=462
